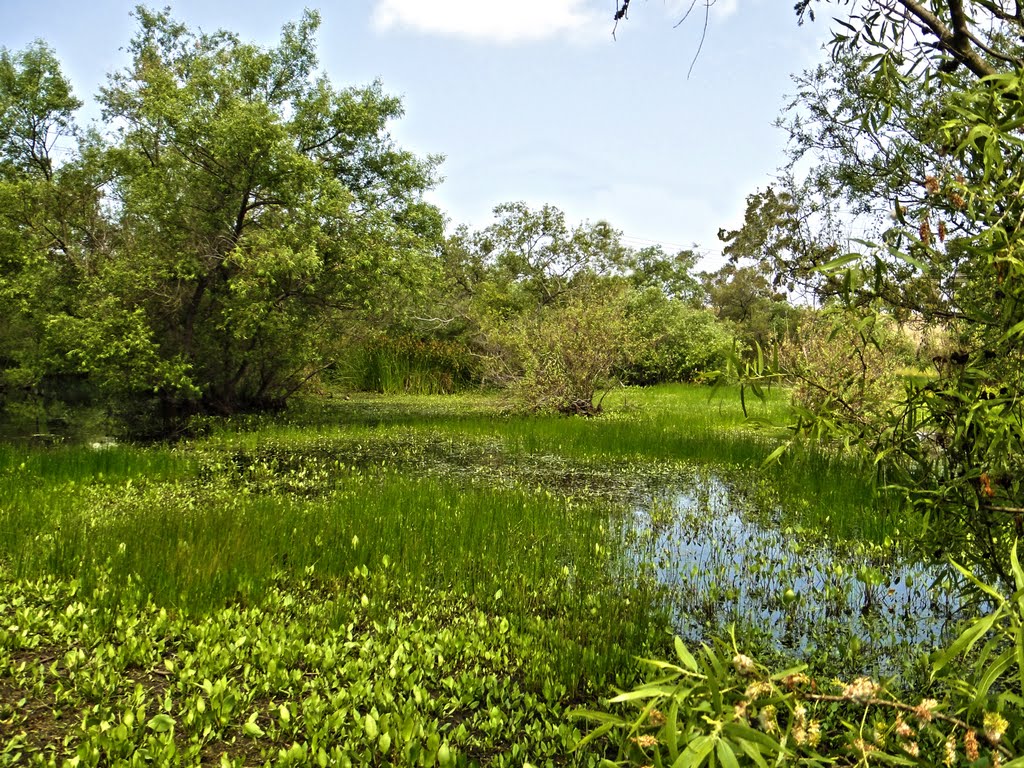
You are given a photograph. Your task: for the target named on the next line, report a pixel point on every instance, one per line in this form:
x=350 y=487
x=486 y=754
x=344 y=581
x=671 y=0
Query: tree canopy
x=238 y=203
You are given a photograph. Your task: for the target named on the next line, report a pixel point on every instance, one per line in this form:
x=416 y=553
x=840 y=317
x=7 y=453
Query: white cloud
x=498 y=21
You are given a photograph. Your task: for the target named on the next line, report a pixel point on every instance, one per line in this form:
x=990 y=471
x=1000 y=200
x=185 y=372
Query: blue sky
x=529 y=99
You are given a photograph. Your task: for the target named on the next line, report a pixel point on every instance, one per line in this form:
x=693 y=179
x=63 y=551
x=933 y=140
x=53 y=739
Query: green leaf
x=695 y=752
x=594 y=735
x=670 y=733
x=1018 y=647
x=252 y=729
x=444 y=754
x=965 y=642
x=597 y=717
x=738 y=732
x=725 y=755
x=370 y=726
x=994 y=594
x=907 y=258
x=776 y=454
x=684 y=655
x=1018 y=573
x=646 y=692
x=751 y=751
x=993 y=672
x=161 y=723
x=837 y=264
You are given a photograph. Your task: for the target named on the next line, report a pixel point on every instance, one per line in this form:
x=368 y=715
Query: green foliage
x=778 y=232
x=46 y=206
x=719 y=706
x=535 y=258
x=743 y=297
x=558 y=357
x=360 y=670
x=954 y=442
x=670 y=340
x=406 y=364
x=300 y=559
x=204 y=254
x=848 y=363
x=928 y=134
x=556 y=310
x=672 y=276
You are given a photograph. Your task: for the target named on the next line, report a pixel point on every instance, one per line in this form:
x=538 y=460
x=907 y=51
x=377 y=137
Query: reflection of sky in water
x=720 y=566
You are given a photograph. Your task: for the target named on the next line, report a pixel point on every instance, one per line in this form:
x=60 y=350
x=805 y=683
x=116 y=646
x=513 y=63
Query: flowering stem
x=824 y=697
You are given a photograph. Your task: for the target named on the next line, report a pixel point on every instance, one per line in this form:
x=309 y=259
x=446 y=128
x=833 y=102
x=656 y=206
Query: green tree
x=671 y=340
x=672 y=276
x=557 y=312
x=49 y=223
x=535 y=258
x=916 y=129
x=744 y=297
x=788 y=233
x=256 y=208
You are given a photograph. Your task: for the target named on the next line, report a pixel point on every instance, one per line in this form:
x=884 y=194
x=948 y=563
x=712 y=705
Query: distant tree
x=559 y=312
x=671 y=340
x=537 y=258
x=673 y=276
x=789 y=234
x=744 y=297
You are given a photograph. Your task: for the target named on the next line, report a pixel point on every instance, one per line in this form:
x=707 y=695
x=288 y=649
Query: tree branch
x=956 y=41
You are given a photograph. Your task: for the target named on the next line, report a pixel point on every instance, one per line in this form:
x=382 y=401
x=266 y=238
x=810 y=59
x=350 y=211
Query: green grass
x=813 y=487
x=404 y=527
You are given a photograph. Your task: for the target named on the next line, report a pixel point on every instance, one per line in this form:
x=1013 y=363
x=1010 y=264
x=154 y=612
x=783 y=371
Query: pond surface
x=717 y=555
x=720 y=562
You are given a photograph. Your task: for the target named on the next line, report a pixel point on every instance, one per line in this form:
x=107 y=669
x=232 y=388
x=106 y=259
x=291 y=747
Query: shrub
x=559 y=357
x=670 y=340
x=846 y=362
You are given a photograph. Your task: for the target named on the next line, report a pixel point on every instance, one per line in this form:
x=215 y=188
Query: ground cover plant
x=412 y=581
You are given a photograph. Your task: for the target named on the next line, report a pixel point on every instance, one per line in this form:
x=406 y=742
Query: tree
x=672 y=276
x=940 y=35
x=557 y=312
x=538 y=258
x=919 y=120
x=671 y=340
x=254 y=207
x=744 y=297
x=788 y=234
x=49 y=213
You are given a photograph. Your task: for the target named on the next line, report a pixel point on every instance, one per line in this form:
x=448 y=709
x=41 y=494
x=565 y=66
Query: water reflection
x=720 y=562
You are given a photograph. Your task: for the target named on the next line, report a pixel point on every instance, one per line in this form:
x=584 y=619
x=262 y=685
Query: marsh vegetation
x=422 y=579
x=294 y=473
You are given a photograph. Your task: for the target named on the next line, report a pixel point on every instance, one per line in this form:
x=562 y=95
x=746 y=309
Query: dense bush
x=558 y=357
x=847 y=362
x=670 y=340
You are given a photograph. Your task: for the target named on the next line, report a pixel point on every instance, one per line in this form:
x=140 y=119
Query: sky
x=529 y=100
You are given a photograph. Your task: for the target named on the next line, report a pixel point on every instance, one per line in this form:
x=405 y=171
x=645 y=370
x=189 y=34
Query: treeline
x=239 y=228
